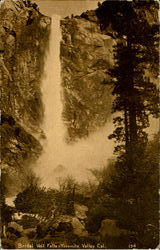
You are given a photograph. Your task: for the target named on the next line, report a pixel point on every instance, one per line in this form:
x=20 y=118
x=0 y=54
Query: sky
x=65 y=8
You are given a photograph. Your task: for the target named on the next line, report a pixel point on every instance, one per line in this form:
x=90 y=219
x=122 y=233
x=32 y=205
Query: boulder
x=78 y=228
x=15 y=226
x=68 y=223
x=109 y=228
x=29 y=230
x=80 y=211
x=64 y=226
x=17 y=216
x=62 y=218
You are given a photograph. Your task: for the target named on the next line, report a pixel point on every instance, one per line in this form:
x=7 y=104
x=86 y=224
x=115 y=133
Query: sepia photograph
x=79 y=124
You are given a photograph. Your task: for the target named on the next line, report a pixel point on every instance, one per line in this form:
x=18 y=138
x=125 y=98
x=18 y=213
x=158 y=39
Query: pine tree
x=136 y=98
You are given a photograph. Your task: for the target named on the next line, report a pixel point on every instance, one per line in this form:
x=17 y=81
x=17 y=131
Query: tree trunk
x=131 y=105
x=126 y=128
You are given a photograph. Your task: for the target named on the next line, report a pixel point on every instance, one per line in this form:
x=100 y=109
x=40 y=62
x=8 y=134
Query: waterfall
x=60 y=159
x=51 y=94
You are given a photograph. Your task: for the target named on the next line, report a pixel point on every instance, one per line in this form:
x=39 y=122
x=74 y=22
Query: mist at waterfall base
x=60 y=159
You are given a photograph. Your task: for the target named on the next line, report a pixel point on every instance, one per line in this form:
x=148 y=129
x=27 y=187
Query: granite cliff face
x=86 y=55
x=23 y=43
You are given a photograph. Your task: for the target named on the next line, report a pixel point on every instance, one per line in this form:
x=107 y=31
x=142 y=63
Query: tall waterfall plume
x=51 y=94
x=60 y=159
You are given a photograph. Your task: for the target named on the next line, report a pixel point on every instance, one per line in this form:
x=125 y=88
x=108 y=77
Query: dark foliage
x=136 y=99
x=28 y=222
x=8 y=244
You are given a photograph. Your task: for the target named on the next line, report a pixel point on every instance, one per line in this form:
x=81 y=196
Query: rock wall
x=24 y=40
x=86 y=56
x=23 y=43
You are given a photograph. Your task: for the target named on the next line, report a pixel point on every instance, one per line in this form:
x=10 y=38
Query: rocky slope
x=23 y=43
x=19 y=149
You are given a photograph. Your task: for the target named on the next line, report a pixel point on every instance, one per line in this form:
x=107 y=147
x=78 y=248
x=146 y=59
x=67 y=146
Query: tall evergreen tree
x=136 y=98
